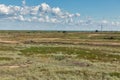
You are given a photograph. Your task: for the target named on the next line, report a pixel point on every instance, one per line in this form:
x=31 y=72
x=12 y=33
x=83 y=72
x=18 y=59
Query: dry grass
x=59 y=56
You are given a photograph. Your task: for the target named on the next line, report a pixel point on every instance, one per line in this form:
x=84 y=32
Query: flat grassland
x=59 y=55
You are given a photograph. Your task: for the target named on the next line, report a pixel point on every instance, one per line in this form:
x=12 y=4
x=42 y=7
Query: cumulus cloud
x=8 y=10
x=44 y=8
x=105 y=22
x=4 y=9
x=47 y=14
x=77 y=14
x=56 y=11
x=39 y=13
x=115 y=23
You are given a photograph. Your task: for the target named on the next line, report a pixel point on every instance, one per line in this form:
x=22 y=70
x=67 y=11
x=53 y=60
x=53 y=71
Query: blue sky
x=60 y=14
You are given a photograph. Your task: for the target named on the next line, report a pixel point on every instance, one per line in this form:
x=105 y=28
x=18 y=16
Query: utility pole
x=101 y=27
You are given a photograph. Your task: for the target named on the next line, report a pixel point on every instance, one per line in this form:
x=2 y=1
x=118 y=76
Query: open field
x=60 y=55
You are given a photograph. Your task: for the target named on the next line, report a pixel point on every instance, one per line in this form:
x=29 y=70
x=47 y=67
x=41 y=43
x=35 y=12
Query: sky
x=80 y=15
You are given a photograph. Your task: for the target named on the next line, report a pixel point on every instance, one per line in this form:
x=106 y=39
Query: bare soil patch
x=9 y=42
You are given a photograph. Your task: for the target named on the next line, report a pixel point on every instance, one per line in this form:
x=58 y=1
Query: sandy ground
x=9 y=42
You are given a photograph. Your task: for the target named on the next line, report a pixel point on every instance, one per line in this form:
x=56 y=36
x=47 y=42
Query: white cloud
x=20 y=17
x=4 y=9
x=56 y=11
x=54 y=20
x=46 y=13
x=105 y=21
x=77 y=14
x=41 y=20
x=39 y=13
x=115 y=23
x=34 y=10
x=44 y=7
x=24 y=11
x=9 y=10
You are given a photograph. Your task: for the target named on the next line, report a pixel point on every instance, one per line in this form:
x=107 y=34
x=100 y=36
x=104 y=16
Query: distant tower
x=101 y=27
x=23 y=3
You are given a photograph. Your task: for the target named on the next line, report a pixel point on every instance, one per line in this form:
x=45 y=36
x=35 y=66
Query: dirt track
x=78 y=42
x=9 y=42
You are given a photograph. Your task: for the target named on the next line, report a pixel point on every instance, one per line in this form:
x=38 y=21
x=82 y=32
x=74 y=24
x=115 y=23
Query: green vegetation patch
x=53 y=50
x=115 y=74
x=99 y=57
x=5 y=58
x=93 y=55
x=7 y=48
